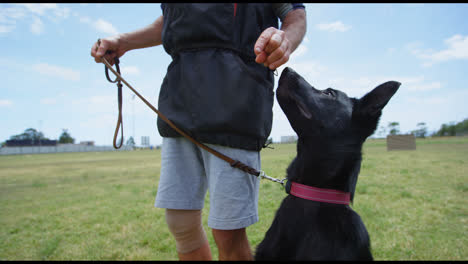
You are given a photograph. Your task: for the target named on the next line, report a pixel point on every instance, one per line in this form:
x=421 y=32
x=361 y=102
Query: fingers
x=272 y=48
x=279 y=56
x=102 y=49
x=94 y=49
x=261 y=57
x=263 y=40
x=275 y=42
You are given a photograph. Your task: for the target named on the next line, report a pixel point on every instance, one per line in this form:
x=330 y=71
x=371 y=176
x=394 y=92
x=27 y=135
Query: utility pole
x=133 y=110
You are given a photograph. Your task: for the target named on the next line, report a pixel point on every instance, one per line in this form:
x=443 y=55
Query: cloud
x=86 y=20
x=6 y=28
x=130 y=70
x=40 y=9
x=57 y=71
x=100 y=25
x=310 y=70
x=11 y=13
x=52 y=11
x=333 y=27
x=457 y=49
x=9 y=16
x=299 y=52
x=37 y=27
x=105 y=27
x=413 y=84
x=5 y=103
x=320 y=76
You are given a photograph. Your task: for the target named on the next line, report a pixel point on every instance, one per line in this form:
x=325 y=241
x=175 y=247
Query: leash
x=234 y=163
x=119 y=99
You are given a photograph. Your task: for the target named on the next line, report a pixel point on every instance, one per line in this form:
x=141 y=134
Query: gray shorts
x=187 y=171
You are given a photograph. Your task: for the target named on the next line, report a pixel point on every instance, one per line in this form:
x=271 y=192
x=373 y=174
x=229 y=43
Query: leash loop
x=119 y=98
x=116 y=62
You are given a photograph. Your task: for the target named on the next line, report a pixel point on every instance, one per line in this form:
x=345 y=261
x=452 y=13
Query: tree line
x=393 y=128
x=453 y=129
x=421 y=131
x=32 y=135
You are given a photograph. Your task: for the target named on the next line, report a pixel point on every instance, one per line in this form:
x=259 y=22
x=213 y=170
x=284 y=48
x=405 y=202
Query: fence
x=58 y=149
x=401 y=142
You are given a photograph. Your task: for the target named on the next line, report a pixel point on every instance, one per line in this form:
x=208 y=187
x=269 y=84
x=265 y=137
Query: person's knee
x=187 y=229
x=232 y=244
x=228 y=237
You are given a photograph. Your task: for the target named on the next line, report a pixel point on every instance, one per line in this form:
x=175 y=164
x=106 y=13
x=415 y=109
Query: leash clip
x=263 y=175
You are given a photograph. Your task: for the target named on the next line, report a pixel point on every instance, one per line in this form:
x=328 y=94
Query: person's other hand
x=272 y=48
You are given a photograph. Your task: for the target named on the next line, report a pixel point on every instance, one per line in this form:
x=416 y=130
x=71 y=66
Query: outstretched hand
x=272 y=48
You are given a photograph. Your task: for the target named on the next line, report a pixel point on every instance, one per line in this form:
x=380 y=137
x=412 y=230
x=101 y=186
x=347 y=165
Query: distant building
x=288 y=139
x=145 y=141
x=401 y=142
x=87 y=143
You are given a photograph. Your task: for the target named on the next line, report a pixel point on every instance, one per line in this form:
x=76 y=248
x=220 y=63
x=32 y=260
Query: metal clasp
x=263 y=175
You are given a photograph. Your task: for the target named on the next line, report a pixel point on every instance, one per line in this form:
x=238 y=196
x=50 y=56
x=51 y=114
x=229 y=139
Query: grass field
x=99 y=206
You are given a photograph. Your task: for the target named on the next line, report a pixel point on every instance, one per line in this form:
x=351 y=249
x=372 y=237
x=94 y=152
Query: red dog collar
x=319 y=195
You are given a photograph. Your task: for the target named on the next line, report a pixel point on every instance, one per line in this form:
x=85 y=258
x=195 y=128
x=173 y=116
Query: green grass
x=99 y=206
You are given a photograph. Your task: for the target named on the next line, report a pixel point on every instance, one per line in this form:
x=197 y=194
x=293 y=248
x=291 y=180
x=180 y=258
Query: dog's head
x=330 y=125
x=330 y=112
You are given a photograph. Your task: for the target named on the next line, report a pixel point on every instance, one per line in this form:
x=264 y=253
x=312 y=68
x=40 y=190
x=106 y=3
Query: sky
x=50 y=82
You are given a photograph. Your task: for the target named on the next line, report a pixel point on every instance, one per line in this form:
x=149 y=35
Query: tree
x=29 y=134
x=452 y=129
x=131 y=142
x=382 y=132
x=65 y=137
x=421 y=132
x=394 y=128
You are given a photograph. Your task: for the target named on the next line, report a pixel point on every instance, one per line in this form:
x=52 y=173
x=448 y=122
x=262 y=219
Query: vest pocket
x=211 y=92
x=197 y=25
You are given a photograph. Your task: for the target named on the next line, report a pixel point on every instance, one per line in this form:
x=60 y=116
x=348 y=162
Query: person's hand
x=272 y=48
x=108 y=48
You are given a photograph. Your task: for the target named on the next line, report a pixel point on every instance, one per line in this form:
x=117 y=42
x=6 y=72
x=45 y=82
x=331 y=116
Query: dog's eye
x=329 y=92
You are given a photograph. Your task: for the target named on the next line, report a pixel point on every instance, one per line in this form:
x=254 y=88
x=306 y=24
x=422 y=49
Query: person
x=219 y=89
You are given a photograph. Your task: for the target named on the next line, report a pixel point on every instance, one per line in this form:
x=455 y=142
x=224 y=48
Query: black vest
x=214 y=90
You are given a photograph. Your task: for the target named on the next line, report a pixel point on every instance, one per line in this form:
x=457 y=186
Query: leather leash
x=234 y=163
x=119 y=99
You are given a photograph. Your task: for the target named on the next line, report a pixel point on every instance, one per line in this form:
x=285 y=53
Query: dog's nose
x=289 y=71
x=286 y=71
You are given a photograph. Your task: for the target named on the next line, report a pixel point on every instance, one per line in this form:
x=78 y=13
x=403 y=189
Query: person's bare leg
x=187 y=229
x=232 y=244
x=202 y=253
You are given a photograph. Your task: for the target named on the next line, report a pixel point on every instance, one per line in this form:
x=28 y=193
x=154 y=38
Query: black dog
x=331 y=129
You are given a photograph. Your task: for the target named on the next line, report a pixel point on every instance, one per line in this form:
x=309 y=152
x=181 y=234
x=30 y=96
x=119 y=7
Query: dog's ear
x=373 y=102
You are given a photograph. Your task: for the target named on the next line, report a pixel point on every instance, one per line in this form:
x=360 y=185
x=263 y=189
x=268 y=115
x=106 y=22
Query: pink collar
x=320 y=195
